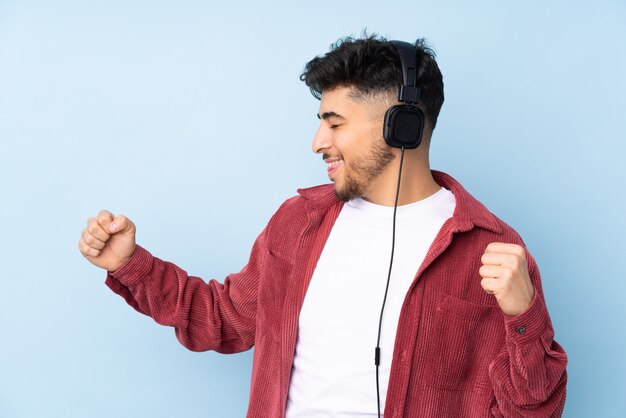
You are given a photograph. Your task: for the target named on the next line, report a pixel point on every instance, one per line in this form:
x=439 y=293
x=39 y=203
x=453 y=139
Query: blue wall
x=191 y=120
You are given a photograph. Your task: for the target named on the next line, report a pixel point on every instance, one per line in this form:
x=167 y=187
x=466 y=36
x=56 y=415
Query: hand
x=505 y=275
x=108 y=241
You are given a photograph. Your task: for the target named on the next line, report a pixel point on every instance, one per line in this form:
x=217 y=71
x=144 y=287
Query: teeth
x=335 y=163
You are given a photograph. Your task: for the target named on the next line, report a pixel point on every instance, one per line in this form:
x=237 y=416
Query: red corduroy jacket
x=455 y=355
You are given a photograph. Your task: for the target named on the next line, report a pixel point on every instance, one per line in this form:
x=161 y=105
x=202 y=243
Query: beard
x=359 y=174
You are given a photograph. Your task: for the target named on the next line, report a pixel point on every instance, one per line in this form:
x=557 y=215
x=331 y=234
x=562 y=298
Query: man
x=464 y=331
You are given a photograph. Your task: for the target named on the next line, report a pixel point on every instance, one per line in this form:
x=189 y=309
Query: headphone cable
x=393 y=244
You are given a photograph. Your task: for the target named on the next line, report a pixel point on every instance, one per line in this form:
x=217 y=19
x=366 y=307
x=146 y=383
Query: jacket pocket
x=466 y=338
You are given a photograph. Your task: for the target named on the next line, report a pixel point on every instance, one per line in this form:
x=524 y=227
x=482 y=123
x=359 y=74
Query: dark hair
x=371 y=65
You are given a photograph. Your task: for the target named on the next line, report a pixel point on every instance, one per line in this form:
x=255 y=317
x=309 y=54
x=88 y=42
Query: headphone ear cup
x=404 y=126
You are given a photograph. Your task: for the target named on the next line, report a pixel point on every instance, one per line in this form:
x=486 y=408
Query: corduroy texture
x=455 y=355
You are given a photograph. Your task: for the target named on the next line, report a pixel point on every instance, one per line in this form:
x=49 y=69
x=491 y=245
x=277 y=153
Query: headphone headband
x=409 y=92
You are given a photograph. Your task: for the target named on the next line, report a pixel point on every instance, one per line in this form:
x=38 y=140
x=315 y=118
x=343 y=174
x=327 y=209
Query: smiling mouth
x=333 y=165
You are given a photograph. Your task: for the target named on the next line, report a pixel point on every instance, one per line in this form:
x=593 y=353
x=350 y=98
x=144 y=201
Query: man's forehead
x=337 y=103
x=341 y=103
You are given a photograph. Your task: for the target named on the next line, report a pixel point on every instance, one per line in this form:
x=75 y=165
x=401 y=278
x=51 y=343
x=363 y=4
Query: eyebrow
x=327 y=115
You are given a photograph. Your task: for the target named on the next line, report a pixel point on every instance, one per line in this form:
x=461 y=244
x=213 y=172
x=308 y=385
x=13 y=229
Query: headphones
x=403 y=128
x=404 y=123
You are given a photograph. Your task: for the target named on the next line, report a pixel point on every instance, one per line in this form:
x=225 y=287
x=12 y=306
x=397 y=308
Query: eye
x=334 y=126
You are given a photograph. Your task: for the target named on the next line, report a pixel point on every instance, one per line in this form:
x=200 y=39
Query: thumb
x=120 y=224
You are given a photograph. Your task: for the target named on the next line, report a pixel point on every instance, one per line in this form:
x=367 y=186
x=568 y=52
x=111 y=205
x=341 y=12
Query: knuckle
x=519 y=250
x=91 y=251
x=92 y=241
x=93 y=228
x=517 y=263
x=104 y=217
x=511 y=259
x=88 y=239
x=83 y=247
x=104 y=213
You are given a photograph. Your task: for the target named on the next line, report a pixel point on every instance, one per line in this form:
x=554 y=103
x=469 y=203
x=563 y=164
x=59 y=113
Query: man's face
x=350 y=139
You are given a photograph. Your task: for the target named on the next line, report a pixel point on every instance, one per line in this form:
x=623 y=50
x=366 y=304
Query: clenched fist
x=505 y=275
x=108 y=241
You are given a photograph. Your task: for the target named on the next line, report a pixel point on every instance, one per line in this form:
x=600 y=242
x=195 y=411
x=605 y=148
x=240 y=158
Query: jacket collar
x=468 y=212
x=319 y=197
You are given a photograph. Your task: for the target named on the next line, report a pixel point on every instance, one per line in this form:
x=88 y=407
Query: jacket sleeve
x=206 y=316
x=529 y=376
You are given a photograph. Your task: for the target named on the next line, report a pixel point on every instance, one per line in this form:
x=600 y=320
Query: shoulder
x=509 y=233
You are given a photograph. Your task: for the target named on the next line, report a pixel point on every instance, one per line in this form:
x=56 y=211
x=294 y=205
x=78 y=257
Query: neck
x=417 y=181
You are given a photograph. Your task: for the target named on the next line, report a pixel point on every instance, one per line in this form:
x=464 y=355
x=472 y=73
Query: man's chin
x=345 y=193
x=341 y=196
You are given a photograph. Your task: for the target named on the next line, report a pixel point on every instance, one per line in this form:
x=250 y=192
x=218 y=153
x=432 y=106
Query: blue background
x=190 y=119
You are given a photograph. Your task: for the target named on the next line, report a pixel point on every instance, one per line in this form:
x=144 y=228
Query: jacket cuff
x=138 y=266
x=530 y=324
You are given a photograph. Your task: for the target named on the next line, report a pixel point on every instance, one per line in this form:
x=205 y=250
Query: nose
x=322 y=139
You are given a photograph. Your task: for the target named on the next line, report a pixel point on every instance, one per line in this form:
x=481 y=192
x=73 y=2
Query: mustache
x=326 y=156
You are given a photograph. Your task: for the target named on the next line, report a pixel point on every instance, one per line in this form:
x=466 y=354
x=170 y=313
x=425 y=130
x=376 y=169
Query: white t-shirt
x=333 y=371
